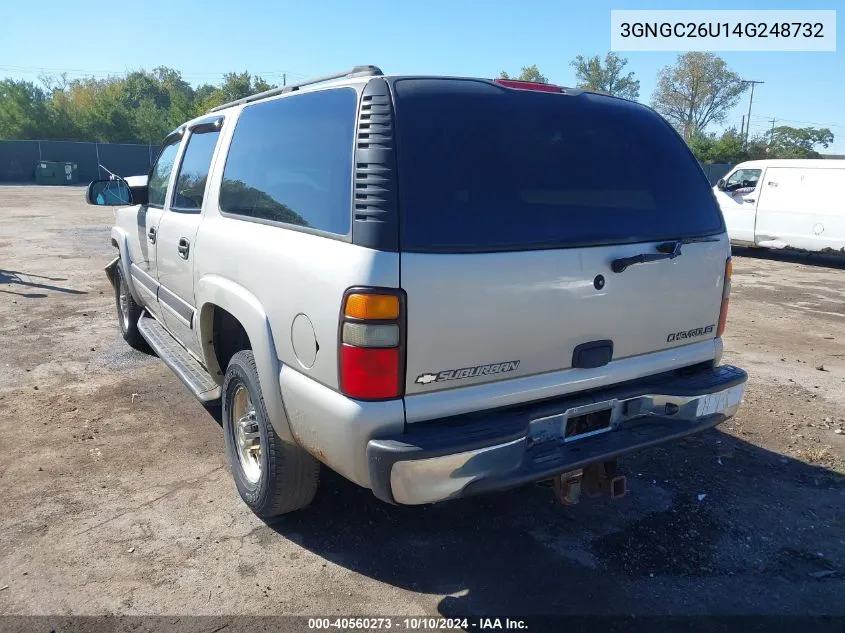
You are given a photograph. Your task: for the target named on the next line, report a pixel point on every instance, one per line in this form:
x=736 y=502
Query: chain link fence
x=18 y=159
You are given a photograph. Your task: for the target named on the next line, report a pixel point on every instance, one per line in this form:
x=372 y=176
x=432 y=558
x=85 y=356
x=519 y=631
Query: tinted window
x=291 y=161
x=160 y=174
x=486 y=168
x=193 y=173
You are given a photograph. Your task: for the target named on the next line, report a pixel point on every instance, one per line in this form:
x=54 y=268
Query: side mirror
x=109 y=193
x=721 y=184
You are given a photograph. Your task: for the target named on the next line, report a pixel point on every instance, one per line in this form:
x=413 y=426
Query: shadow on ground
x=24 y=280
x=662 y=548
x=823 y=260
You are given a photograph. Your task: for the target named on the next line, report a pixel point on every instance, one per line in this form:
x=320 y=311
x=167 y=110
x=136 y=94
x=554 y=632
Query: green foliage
x=785 y=142
x=790 y=142
x=234 y=86
x=144 y=106
x=699 y=89
x=607 y=77
x=23 y=108
x=727 y=148
x=141 y=107
x=528 y=73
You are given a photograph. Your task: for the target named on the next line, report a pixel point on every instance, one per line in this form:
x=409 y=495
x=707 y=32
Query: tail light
x=371 y=356
x=726 y=295
x=528 y=85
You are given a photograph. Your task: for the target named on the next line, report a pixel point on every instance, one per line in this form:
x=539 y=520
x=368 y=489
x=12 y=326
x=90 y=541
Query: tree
x=784 y=142
x=699 y=89
x=235 y=86
x=100 y=111
x=528 y=73
x=758 y=149
x=150 y=122
x=142 y=106
x=179 y=92
x=205 y=98
x=727 y=148
x=22 y=109
x=790 y=142
x=609 y=78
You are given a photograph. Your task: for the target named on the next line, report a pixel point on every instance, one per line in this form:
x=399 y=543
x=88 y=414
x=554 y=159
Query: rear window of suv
x=486 y=168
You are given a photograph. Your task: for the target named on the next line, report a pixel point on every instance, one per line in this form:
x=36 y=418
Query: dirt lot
x=115 y=496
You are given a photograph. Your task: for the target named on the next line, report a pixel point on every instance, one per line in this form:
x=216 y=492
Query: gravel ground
x=116 y=497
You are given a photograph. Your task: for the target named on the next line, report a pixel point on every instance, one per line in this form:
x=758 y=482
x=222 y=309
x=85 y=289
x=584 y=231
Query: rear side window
x=485 y=168
x=193 y=173
x=290 y=161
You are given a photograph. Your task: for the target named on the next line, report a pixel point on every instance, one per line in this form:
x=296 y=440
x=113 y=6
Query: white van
x=785 y=204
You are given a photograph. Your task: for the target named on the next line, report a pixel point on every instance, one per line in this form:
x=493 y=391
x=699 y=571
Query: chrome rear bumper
x=502 y=449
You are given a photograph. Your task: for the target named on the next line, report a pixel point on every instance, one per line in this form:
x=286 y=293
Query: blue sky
x=206 y=38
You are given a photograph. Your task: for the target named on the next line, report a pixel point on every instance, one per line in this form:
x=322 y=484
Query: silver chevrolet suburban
x=435 y=286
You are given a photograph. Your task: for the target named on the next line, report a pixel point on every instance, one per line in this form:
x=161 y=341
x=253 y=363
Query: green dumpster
x=56 y=173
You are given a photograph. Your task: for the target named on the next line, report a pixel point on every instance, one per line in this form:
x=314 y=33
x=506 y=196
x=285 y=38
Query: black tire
x=128 y=322
x=289 y=476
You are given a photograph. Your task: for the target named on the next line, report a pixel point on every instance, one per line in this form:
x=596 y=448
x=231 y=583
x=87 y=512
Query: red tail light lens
x=368 y=374
x=371 y=355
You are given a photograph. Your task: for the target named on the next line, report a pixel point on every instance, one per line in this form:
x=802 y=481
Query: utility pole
x=284 y=79
x=750 y=101
x=742 y=127
x=772 y=135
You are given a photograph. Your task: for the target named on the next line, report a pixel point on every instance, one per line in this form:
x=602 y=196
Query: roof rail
x=357 y=71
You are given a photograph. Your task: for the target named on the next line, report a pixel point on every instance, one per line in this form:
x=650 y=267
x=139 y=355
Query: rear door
x=143 y=237
x=515 y=205
x=738 y=202
x=177 y=230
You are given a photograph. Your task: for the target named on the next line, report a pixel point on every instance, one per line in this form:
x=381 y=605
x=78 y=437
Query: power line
x=769 y=118
x=102 y=73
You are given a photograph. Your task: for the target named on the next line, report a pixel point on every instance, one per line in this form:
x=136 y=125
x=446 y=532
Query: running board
x=177 y=358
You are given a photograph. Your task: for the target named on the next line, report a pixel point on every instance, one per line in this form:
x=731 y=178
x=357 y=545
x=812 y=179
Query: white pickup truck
x=434 y=286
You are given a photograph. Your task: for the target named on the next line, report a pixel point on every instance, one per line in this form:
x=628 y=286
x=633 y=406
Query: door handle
x=749 y=199
x=183 y=247
x=152 y=234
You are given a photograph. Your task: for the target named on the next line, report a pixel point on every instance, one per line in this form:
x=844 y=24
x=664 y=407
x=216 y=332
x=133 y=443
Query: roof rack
x=357 y=71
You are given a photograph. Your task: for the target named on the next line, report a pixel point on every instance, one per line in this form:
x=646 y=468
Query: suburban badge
x=467 y=372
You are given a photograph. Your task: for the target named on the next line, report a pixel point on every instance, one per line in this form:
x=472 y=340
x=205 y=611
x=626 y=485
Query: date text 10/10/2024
x=417 y=624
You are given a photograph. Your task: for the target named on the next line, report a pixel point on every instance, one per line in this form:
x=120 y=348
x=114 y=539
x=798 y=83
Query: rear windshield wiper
x=667 y=250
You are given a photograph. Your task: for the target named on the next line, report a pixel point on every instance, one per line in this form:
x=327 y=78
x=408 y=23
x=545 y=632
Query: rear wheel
x=272 y=476
x=128 y=311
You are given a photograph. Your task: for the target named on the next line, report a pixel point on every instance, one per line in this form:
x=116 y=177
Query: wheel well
x=229 y=337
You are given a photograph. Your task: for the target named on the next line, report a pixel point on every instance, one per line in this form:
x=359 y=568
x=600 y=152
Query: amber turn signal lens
x=372 y=306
